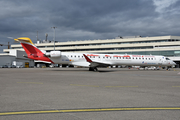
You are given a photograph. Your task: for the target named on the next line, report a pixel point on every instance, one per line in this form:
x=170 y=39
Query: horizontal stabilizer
x=24 y=40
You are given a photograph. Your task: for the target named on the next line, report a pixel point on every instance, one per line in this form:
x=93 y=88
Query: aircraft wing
x=96 y=63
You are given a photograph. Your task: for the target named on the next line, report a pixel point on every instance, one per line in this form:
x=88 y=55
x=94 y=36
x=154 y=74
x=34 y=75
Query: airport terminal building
x=168 y=46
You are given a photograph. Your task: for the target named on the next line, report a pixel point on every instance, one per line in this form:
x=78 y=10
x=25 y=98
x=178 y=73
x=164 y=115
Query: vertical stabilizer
x=32 y=51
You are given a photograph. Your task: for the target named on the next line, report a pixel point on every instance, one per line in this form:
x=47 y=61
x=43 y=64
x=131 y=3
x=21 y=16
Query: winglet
x=87 y=59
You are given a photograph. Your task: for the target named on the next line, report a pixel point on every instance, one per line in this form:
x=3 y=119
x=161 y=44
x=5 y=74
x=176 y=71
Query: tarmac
x=79 y=94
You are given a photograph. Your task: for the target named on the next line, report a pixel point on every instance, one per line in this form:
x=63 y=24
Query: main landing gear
x=168 y=69
x=93 y=69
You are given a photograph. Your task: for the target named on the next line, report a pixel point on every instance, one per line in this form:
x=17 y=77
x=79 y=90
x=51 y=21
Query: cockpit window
x=167 y=59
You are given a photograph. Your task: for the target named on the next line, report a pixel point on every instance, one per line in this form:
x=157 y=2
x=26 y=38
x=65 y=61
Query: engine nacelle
x=53 y=54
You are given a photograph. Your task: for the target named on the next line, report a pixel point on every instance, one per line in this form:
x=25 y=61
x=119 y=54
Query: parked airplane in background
x=92 y=60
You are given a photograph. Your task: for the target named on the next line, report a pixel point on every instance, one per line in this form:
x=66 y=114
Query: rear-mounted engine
x=53 y=54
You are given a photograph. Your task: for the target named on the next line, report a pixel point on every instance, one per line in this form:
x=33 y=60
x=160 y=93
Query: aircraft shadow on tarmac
x=83 y=70
x=100 y=70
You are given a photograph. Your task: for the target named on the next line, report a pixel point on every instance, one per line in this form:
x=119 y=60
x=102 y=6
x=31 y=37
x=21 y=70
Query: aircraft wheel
x=91 y=69
x=95 y=69
x=168 y=69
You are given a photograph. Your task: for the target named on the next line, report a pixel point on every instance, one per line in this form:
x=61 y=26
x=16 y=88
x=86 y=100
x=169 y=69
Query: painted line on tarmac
x=88 y=110
x=121 y=86
x=109 y=86
x=84 y=85
x=30 y=82
x=175 y=86
x=28 y=112
x=99 y=86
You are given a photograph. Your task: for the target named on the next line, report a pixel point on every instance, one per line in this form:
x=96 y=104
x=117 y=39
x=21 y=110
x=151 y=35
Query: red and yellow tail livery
x=32 y=51
x=92 y=60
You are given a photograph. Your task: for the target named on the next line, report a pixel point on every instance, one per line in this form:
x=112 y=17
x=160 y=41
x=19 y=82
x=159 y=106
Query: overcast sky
x=87 y=19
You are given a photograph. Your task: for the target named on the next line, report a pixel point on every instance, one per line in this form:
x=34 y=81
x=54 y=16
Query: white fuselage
x=112 y=59
x=91 y=60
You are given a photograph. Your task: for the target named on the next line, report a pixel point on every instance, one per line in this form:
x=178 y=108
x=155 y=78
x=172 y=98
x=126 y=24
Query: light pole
x=6 y=45
x=54 y=36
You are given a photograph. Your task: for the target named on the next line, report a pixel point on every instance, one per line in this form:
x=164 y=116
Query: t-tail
x=32 y=51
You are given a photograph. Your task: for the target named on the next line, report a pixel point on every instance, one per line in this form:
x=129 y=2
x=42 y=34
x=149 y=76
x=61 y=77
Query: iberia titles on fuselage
x=92 y=60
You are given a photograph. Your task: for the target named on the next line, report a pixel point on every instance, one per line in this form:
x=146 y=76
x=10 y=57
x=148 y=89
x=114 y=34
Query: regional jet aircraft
x=92 y=60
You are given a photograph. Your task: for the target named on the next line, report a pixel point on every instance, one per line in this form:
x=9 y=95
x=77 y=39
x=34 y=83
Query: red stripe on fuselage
x=107 y=56
x=92 y=55
x=34 y=53
x=126 y=56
